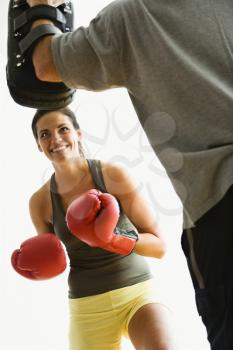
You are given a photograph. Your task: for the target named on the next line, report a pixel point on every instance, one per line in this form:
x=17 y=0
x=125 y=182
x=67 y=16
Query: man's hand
x=54 y=3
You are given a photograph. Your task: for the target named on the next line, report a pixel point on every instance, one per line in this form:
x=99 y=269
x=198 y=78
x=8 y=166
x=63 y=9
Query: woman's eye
x=43 y=135
x=64 y=129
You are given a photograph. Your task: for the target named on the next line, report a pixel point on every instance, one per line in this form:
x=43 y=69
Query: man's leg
x=208 y=249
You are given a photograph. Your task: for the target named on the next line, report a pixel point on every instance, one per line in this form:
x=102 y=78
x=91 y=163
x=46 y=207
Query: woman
x=110 y=295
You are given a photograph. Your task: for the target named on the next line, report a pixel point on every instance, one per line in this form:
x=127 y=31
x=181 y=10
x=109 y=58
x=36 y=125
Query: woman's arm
x=120 y=184
x=40 y=212
x=39 y=257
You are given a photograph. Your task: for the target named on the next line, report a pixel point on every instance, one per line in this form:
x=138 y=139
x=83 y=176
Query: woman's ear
x=39 y=147
x=79 y=133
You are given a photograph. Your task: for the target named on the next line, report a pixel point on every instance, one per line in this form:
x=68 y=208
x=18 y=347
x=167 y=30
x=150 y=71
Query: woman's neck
x=71 y=175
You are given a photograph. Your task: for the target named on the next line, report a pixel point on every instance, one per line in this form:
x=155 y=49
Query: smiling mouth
x=58 y=149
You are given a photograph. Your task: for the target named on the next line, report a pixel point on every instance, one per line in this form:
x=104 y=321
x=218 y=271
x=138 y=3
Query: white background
x=34 y=315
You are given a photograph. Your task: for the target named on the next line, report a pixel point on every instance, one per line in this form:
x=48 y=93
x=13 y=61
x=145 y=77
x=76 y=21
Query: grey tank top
x=94 y=270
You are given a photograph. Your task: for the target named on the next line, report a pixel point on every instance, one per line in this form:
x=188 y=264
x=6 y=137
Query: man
x=175 y=58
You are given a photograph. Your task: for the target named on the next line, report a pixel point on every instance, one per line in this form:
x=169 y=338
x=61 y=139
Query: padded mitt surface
x=22 y=82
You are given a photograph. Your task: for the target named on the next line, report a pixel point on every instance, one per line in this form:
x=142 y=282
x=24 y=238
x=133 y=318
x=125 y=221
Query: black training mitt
x=25 y=88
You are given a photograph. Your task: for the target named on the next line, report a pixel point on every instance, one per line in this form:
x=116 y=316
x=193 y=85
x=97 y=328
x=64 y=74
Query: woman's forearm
x=150 y=245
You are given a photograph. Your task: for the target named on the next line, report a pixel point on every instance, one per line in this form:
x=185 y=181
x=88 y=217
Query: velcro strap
x=18 y=3
x=37 y=33
x=39 y=12
x=127 y=233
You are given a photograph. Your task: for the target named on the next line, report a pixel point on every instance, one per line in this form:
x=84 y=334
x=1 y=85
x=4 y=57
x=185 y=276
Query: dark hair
x=40 y=113
x=66 y=111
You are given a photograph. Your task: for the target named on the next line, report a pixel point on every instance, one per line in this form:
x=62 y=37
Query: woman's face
x=57 y=137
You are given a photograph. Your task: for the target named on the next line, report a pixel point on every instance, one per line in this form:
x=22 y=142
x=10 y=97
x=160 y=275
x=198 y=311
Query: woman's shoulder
x=113 y=170
x=41 y=198
x=41 y=209
x=117 y=178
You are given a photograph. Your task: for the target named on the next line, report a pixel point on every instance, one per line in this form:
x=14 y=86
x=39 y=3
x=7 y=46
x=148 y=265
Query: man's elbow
x=45 y=72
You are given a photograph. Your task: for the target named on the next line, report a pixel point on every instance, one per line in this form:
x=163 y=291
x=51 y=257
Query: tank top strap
x=97 y=175
x=53 y=185
x=57 y=208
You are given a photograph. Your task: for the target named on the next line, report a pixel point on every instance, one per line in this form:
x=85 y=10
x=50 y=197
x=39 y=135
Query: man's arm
x=43 y=63
x=42 y=54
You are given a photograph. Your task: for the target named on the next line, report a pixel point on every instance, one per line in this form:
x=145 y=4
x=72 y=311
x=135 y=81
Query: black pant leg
x=208 y=248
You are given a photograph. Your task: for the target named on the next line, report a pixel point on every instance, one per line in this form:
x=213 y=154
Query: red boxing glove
x=40 y=257
x=92 y=218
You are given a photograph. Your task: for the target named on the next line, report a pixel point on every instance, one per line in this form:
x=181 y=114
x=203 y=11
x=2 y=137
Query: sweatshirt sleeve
x=88 y=58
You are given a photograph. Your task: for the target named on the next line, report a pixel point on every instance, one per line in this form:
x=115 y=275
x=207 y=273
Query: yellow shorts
x=98 y=322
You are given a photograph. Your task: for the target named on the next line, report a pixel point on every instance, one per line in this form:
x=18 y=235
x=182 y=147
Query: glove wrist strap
x=132 y=234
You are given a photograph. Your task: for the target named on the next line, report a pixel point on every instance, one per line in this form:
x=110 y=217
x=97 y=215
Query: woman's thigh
x=94 y=329
x=150 y=328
